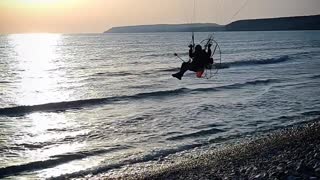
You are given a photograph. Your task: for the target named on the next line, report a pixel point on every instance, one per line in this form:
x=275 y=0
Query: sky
x=90 y=16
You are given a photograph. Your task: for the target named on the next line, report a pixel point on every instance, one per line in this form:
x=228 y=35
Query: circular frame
x=212 y=69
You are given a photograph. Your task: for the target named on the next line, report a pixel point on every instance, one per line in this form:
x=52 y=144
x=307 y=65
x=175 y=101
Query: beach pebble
x=311 y=163
x=292 y=161
x=300 y=167
x=293 y=178
x=243 y=171
x=280 y=167
x=260 y=176
x=313 y=178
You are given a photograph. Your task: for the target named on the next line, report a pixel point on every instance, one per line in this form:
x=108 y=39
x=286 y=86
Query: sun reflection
x=44 y=135
x=39 y=69
x=37 y=64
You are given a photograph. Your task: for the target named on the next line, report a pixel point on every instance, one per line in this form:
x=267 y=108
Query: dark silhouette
x=276 y=24
x=270 y=24
x=200 y=59
x=196 y=27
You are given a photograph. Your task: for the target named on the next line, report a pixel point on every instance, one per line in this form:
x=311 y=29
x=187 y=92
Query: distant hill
x=272 y=24
x=201 y=27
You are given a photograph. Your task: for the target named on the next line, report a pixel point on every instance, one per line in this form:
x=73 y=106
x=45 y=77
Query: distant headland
x=270 y=24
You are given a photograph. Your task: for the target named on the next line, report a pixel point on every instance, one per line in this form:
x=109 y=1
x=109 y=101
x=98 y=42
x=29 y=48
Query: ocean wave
x=165 y=54
x=161 y=93
x=256 y=62
x=315 y=76
x=214 y=125
x=58 y=106
x=5 y=82
x=109 y=74
x=243 y=63
x=53 y=161
x=78 y=104
x=63 y=106
x=197 y=134
x=170 y=69
x=311 y=113
x=154 y=155
x=238 y=85
x=306 y=54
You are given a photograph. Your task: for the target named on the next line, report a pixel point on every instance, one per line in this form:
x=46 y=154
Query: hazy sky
x=77 y=16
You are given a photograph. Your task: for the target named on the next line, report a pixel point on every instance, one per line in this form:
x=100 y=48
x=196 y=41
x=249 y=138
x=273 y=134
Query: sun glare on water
x=40 y=78
x=37 y=63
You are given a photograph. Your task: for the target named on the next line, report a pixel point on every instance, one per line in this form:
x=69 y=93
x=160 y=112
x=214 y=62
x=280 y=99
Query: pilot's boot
x=177 y=75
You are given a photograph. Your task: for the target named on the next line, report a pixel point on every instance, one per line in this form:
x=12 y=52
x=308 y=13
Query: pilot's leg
x=184 y=67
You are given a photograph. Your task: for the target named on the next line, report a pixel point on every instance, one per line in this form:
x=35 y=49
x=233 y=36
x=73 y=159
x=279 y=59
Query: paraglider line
x=244 y=5
x=175 y=54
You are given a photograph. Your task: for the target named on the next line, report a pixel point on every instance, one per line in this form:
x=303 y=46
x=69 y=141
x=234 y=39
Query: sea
x=78 y=104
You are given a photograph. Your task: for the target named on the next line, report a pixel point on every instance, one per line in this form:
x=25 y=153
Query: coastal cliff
x=205 y=27
x=271 y=24
x=276 y=24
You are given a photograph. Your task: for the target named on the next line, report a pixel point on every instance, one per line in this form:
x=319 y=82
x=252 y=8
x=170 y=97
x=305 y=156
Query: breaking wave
x=53 y=161
x=197 y=134
x=259 y=61
x=150 y=156
x=155 y=155
x=253 y=62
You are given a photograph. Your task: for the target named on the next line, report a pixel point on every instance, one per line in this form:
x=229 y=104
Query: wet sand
x=291 y=153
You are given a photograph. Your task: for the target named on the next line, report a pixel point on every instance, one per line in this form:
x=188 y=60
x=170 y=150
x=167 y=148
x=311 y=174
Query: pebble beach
x=290 y=153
